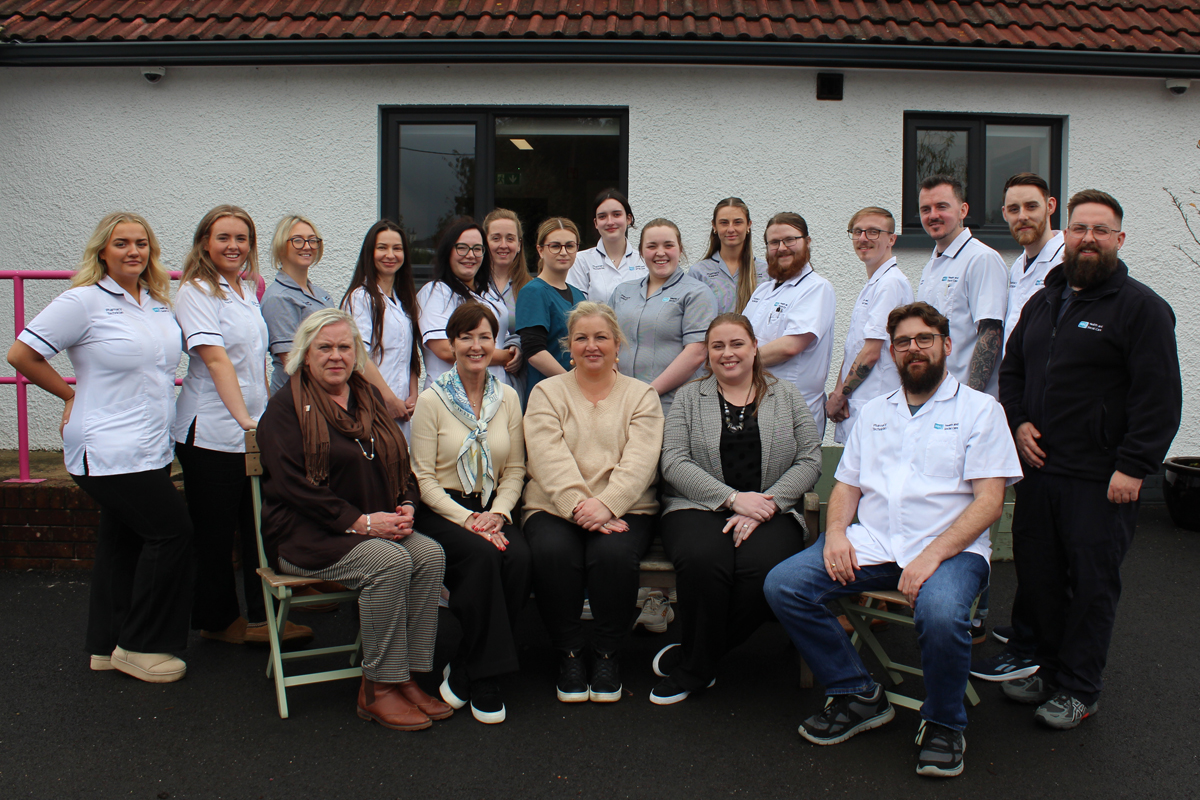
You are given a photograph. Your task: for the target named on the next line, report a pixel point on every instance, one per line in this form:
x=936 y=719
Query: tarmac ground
x=67 y=732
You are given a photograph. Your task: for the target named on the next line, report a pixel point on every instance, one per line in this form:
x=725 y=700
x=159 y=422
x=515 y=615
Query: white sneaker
x=149 y=667
x=656 y=613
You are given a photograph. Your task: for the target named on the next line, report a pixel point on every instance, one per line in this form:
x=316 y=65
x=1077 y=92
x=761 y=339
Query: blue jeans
x=799 y=588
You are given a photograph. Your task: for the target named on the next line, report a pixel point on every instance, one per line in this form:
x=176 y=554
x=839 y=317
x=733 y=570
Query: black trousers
x=568 y=559
x=220 y=504
x=488 y=589
x=720 y=587
x=142 y=579
x=1068 y=545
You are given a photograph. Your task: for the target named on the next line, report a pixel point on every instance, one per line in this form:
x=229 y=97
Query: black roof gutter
x=835 y=55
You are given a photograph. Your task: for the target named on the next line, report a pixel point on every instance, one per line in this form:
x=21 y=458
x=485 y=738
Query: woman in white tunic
x=223 y=395
x=116 y=325
x=462 y=271
x=382 y=298
x=505 y=244
x=600 y=269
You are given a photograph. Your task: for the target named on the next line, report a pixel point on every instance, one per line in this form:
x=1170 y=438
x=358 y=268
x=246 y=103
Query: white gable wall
x=77 y=143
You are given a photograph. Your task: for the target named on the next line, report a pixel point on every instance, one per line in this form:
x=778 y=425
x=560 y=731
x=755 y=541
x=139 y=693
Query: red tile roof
x=1164 y=26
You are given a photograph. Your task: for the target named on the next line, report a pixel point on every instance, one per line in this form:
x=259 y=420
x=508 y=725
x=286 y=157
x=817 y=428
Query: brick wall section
x=44 y=526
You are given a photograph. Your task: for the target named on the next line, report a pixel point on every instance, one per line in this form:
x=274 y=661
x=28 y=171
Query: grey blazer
x=691 y=452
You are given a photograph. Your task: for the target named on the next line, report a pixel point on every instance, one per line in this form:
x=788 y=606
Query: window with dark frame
x=439 y=163
x=983 y=151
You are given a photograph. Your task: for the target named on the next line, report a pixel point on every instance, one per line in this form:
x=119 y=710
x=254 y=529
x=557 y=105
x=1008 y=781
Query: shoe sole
x=144 y=675
x=654 y=665
x=573 y=697
x=101 y=664
x=448 y=695
x=488 y=717
x=604 y=697
x=1023 y=672
x=667 y=701
x=998 y=637
x=1059 y=726
x=866 y=725
x=655 y=627
x=369 y=717
x=931 y=771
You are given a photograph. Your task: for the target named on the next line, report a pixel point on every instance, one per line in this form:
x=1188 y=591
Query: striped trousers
x=397 y=609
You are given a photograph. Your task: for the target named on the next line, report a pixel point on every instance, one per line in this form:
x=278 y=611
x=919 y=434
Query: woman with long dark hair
x=600 y=269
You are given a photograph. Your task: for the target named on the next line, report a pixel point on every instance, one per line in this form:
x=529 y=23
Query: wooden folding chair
x=278 y=589
x=860 y=617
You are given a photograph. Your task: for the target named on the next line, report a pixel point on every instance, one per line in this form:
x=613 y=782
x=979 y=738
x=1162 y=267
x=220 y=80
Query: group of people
x=567 y=418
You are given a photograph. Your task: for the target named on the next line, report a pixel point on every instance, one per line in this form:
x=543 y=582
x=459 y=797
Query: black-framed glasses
x=870 y=233
x=558 y=247
x=298 y=242
x=924 y=341
x=1099 y=232
x=474 y=249
x=787 y=242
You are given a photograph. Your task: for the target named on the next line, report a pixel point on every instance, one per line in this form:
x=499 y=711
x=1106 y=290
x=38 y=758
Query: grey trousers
x=400 y=582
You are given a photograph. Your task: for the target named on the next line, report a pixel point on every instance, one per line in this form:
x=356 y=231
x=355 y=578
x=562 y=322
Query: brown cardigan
x=305 y=523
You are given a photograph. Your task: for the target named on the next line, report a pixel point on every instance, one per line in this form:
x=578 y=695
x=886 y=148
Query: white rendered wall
x=78 y=143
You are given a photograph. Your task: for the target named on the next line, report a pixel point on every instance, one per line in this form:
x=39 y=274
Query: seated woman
x=338 y=504
x=739 y=452
x=468 y=453
x=590 y=504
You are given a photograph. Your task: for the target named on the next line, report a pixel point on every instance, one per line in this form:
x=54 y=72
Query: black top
x=741 y=451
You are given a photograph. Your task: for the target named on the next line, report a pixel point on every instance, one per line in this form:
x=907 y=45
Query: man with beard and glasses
x=966 y=280
x=792 y=314
x=1090 y=383
x=925 y=469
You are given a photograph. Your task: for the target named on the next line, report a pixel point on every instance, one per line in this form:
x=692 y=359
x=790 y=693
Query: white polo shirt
x=885 y=290
x=595 y=274
x=235 y=323
x=125 y=353
x=915 y=471
x=968 y=283
x=804 y=304
x=397 y=338
x=1025 y=280
x=437 y=302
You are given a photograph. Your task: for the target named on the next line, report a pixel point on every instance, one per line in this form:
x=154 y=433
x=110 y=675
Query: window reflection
x=437 y=182
x=1012 y=149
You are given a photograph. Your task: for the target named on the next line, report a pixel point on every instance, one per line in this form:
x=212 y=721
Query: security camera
x=156 y=74
x=1178 y=86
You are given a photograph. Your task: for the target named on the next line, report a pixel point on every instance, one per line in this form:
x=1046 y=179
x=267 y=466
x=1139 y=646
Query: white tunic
x=1024 y=283
x=915 y=471
x=885 y=290
x=125 y=353
x=595 y=274
x=968 y=283
x=235 y=323
x=804 y=304
x=437 y=302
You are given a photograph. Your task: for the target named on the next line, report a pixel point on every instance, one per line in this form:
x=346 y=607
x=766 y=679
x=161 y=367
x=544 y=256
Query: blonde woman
x=117 y=328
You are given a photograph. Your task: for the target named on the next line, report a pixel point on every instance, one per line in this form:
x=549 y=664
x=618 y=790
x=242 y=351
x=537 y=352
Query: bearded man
x=792 y=314
x=925 y=469
x=1027 y=209
x=1090 y=384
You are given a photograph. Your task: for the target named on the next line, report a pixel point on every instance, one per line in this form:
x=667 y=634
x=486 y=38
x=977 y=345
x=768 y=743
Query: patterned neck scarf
x=475 y=455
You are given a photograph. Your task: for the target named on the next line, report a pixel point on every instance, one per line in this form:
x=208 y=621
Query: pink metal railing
x=18 y=277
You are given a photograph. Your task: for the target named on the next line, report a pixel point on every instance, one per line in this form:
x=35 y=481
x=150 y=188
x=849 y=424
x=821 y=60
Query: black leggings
x=720 y=586
x=220 y=504
x=142 y=579
x=568 y=559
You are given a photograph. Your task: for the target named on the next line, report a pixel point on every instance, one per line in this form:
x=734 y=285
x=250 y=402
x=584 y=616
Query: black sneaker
x=486 y=703
x=668 y=692
x=455 y=688
x=1028 y=690
x=1064 y=711
x=847 y=714
x=605 y=686
x=1002 y=633
x=572 y=678
x=1004 y=667
x=941 y=751
x=978 y=632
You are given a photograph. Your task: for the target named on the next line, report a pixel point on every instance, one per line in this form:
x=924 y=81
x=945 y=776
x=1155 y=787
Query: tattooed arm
x=987 y=354
x=836 y=407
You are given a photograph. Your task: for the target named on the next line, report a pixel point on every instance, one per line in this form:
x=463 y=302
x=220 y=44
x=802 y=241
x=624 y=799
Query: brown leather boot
x=432 y=708
x=384 y=703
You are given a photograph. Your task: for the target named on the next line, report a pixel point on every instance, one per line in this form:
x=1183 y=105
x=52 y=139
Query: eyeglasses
x=774 y=244
x=870 y=233
x=1099 y=232
x=474 y=249
x=298 y=242
x=923 y=340
x=558 y=247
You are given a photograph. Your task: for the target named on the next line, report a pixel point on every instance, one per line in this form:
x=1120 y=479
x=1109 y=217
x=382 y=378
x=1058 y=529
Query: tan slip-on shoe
x=234 y=634
x=149 y=667
x=101 y=663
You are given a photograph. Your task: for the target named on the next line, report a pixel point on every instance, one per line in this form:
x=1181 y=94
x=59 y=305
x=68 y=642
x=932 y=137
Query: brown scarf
x=316 y=411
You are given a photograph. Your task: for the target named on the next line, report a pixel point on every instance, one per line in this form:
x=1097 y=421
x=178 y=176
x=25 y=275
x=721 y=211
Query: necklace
x=728 y=417
x=364 y=450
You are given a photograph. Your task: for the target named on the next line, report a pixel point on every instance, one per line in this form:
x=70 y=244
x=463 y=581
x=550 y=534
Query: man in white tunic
x=1027 y=209
x=965 y=280
x=792 y=314
x=864 y=375
x=925 y=470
